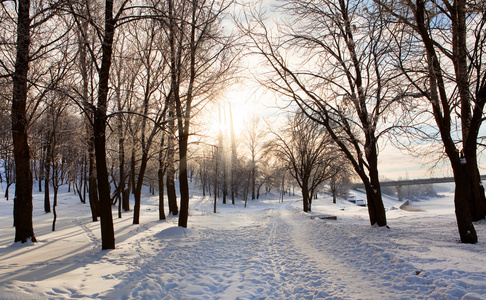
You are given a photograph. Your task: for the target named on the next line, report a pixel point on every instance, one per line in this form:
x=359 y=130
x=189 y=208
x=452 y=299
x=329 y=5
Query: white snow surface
x=268 y=250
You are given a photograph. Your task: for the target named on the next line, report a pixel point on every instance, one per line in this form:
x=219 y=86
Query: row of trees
x=131 y=77
x=107 y=96
x=391 y=70
x=142 y=67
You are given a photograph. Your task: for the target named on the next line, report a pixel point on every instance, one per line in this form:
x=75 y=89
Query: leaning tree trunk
x=23 y=207
x=376 y=209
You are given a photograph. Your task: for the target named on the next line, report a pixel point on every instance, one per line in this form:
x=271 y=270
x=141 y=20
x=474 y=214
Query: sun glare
x=235 y=107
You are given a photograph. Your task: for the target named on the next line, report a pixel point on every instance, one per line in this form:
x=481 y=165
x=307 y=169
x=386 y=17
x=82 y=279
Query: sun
x=231 y=111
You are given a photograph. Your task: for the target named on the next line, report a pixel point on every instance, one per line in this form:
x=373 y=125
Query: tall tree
x=100 y=120
x=198 y=63
x=24 y=229
x=339 y=75
x=152 y=77
x=446 y=41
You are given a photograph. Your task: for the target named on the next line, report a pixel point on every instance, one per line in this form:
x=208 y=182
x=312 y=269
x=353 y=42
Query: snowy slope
x=268 y=250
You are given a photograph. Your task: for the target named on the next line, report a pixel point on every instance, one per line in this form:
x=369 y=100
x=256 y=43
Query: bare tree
x=253 y=137
x=333 y=60
x=309 y=154
x=198 y=64
x=442 y=45
x=31 y=22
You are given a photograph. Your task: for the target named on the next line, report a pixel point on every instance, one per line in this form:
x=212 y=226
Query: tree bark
x=23 y=207
x=442 y=114
x=100 y=119
x=94 y=201
x=47 y=171
x=305 y=196
x=183 y=182
x=121 y=158
x=138 y=189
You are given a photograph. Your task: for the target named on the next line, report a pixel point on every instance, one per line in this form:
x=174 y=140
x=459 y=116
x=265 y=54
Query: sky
x=249 y=99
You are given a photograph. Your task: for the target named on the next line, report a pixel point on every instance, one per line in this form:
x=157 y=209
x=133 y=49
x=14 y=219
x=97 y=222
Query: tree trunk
x=94 y=202
x=160 y=174
x=183 y=182
x=376 y=209
x=131 y=180
x=138 y=189
x=171 y=192
x=253 y=178
x=100 y=119
x=121 y=158
x=437 y=96
x=233 y=156
x=463 y=191
x=47 y=171
x=216 y=174
x=305 y=196
x=54 y=205
x=23 y=207
x=477 y=200
x=47 y=203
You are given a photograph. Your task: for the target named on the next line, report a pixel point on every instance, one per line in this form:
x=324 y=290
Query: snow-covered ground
x=269 y=250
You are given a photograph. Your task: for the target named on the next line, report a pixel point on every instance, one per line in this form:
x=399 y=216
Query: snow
x=269 y=250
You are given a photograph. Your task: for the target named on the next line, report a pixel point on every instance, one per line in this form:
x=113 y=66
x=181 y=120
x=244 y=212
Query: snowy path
x=264 y=253
x=268 y=250
x=271 y=253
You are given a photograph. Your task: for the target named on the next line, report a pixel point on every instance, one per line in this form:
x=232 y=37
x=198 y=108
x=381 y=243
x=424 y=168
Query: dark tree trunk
x=131 y=181
x=100 y=119
x=47 y=171
x=305 y=196
x=467 y=231
x=84 y=178
x=160 y=177
x=376 y=209
x=216 y=174
x=94 y=202
x=121 y=158
x=47 y=203
x=477 y=201
x=41 y=170
x=23 y=207
x=253 y=179
x=171 y=192
x=183 y=180
x=138 y=189
x=437 y=96
x=233 y=156
x=160 y=174
x=54 y=205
